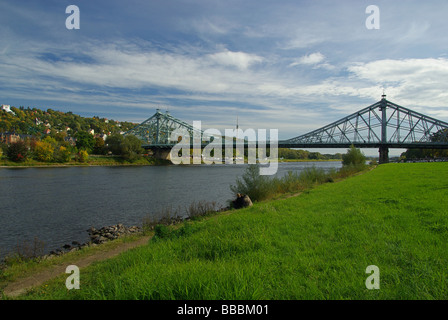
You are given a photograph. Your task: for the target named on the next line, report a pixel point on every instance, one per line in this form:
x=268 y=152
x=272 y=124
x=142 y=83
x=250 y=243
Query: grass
x=259 y=187
x=314 y=246
x=17 y=267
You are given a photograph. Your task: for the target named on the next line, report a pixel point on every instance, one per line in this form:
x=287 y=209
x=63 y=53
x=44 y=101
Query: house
x=8 y=137
x=7 y=108
x=70 y=140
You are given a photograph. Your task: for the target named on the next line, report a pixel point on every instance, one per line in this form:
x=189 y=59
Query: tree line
x=34 y=121
x=56 y=150
x=59 y=137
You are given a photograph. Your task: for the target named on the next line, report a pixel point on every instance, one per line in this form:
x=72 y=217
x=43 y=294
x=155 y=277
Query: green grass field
x=313 y=246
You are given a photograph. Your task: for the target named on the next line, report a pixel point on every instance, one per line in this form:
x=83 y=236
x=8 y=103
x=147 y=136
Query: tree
x=43 y=151
x=113 y=143
x=85 y=141
x=98 y=148
x=62 y=154
x=131 y=148
x=17 y=151
x=353 y=157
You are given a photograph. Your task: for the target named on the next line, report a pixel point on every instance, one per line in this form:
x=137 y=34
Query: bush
x=256 y=186
x=113 y=143
x=62 y=154
x=354 y=157
x=131 y=148
x=43 y=151
x=201 y=208
x=82 y=156
x=26 y=251
x=17 y=151
x=293 y=181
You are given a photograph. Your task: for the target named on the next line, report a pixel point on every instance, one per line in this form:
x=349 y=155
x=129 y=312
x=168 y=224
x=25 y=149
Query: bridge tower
x=384 y=149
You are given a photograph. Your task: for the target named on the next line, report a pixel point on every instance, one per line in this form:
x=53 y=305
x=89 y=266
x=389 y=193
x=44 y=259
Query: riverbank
x=91 y=161
x=313 y=246
x=111 y=161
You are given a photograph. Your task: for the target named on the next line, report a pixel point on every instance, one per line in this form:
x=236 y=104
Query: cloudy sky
x=290 y=65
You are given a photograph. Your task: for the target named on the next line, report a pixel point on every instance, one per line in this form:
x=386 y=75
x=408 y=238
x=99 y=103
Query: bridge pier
x=384 y=154
x=162 y=154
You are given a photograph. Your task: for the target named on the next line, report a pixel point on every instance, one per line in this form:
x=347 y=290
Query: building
x=7 y=108
x=8 y=137
x=12 y=137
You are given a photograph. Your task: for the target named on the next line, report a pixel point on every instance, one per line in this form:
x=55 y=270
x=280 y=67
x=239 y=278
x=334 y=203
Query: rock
x=99 y=239
x=91 y=230
x=66 y=246
x=242 y=201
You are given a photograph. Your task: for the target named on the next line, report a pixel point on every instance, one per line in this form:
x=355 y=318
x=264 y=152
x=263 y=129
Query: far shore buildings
x=7 y=108
x=12 y=137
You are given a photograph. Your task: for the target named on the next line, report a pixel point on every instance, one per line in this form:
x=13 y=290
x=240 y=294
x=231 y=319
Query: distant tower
x=237 y=123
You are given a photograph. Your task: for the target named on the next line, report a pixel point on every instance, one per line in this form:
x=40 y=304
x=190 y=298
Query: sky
x=290 y=65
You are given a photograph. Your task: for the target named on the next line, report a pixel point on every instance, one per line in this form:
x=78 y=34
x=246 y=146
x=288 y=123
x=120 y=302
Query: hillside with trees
x=38 y=122
x=37 y=136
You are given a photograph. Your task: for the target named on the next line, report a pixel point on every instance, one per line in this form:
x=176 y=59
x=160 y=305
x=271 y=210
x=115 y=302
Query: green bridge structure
x=382 y=125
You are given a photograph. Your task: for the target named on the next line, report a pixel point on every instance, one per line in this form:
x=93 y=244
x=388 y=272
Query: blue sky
x=288 y=65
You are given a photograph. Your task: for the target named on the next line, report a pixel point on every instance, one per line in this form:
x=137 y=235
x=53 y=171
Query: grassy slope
x=314 y=246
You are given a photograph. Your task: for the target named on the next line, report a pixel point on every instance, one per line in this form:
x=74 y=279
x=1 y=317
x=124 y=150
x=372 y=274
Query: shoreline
x=56 y=165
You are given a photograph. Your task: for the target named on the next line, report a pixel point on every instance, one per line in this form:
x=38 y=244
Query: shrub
x=131 y=148
x=82 y=156
x=17 y=151
x=43 y=151
x=256 y=186
x=353 y=157
x=293 y=181
x=113 y=143
x=313 y=175
x=25 y=251
x=201 y=208
x=62 y=154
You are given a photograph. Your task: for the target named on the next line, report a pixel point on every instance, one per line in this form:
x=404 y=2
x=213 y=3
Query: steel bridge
x=382 y=125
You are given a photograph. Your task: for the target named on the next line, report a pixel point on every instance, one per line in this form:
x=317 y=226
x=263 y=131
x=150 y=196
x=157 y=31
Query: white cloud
x=313 y=58
x=241 y=60
x=317 y=60
x=413 y=81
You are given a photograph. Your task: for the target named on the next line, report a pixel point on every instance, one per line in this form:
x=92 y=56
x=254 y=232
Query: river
x=58 y=204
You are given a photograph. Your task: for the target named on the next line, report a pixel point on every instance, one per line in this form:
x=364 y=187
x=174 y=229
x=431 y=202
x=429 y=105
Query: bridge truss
x=381 y=125
x=156 y=131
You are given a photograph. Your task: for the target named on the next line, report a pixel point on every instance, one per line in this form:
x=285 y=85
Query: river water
x=58 y=205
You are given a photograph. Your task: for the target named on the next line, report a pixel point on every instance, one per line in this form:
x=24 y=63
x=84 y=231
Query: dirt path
x=20 y=286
